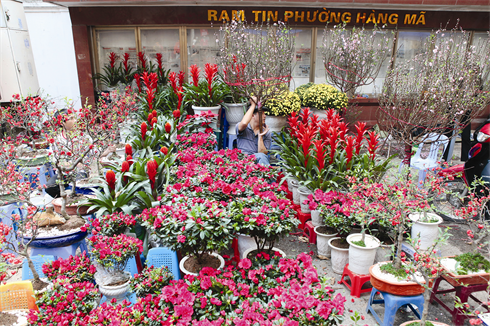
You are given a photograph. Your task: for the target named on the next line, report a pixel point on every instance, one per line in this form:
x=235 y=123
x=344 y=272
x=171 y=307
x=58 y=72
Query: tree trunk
x=31 y=266
x=397 y=263
x=406 y=160
x=427 y=292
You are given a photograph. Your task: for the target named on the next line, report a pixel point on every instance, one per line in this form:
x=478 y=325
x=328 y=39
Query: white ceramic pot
x=234 y=114
x=213 y=109
x=382 y=253
x=245 y=242
x=339 y=257
x=322 y=240
x=304 y=192
x=290 y=184
x=426 y=232
x=118 y=292
x=316 y=219
x=361 y=258
x=295 y=191
x=276 y=123
x=322 y=115
x=245 y=254
x=185 y=271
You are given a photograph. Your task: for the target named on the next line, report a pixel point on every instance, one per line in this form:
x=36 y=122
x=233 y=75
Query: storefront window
x=302 y=58
x=119 y=41
x=164 y=41
x=409 y=45
x=202 y=47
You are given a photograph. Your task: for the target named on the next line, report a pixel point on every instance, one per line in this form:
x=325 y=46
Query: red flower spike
x=333 y=141
x=164 y=150
x=176 y=114
x=129 y=159
x=151 y=170
x=141 y=57
x=320 y=154
x=373 y=144
x=128 y=149
x=150 y=116
x=126 y=61
x=181 y=78
x=211 y=71
x=112 y=59
x=305 y=115
x=172 y=77
x=144 y=129
x=153 y=121
x=349 y=148
x=138 y=82
x=110 y=177
x=361 y=130
x=159 y=63
x=154 y=113
x=168 y=127
x=125 y=168
x=194 y=69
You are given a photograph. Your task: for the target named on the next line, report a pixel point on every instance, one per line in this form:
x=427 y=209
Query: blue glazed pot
x=57 y=241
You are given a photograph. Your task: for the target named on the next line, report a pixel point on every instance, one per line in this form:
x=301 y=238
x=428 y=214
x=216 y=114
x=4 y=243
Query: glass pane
x=202 y=47
x=301 y=59
x=319 y=65
x=117 y=41
x=479 y=38
x=410 y=44
x=164 y=41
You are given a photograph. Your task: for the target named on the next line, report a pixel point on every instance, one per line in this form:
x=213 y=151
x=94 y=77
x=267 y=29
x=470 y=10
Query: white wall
x=54 y=51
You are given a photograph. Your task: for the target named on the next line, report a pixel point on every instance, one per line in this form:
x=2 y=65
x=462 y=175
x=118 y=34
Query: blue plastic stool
x=38 y=262
x=131 y=266
x=392 y=304
x=159 y=257
x=31 y=173
x=63 y=252
x=231 y=139
x=6 y=218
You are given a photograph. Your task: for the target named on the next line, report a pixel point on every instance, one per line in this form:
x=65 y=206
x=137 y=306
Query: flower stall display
x=77 y=269
x=322 y=97
x=150 y=281
x=65 y=303
x=194 y=226
x=110 y=255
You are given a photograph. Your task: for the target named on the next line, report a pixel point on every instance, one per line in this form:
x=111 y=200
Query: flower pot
x=316 y=219
x=304 y=192
x=296 y=198
x=245 y=254
x=339 y=257
x=387 y=283
x=234 y=114
x=74 y=209
x=117 y=292
x=290 y=183
x=428 y=231
x=322 y=240
x=245 y=242
x=382 y=253
x=276 y=123
x=435 y=323
x=185 y=271
x=361 y=258
x=213 y=109
x=455 y=279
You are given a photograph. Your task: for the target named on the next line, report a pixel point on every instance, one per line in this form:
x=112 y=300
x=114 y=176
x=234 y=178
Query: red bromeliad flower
x=172 y=77
x=129 y=159
x=144 y=129
x=112 y=59
x=293 y=124
x=195 y=74
x=372 y=144
x=349 y=148
x=150 y=116
x=110 y=177
x=151 y=170
x=125 y=168
x=141 y=57
x=159 y=63
x=333 y=141
x=320 y=154
x=126 y=61
x=181 y=78
x=361 y=130
x=305 y=116
x=305 y=137
x=176 y=113
x=128 y=149
x=168 y=127
x=164 y=150
x=153 y=121
x=211 y=71
x=138 y=82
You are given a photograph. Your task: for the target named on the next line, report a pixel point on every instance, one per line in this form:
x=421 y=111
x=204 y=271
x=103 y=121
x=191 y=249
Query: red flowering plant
x=208 y=92
x=198 y=123
x=111 y=74
x=332 y=211
x=193 y=226
x=205 y=141
x=65 y=303
x=321 y=154
x=150 y=281
x=112 y=224
x=111 y=254
x=75 y=268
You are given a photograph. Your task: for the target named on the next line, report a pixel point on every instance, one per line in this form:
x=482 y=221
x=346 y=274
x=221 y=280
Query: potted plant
x=425 y=226
x=76 y=269
x=150 y=281
x=112 y=224
x=205 y=95
x=190 y=227
x=112 y=74
x=321 y=97
x=279 y=107
x=111 y=254
x=235 y=106
x=300 y=91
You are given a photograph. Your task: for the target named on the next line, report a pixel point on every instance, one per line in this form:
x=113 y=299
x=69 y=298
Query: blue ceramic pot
x=57 y=241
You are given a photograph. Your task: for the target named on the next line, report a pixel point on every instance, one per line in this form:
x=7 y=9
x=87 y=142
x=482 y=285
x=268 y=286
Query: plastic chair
x=159 y=257
x=38 y=262
x=131 y=266
x=17 y=295
x=392 y=304
x=431 y=162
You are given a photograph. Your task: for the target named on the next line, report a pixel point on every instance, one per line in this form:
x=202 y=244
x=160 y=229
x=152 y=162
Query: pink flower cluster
x=75 y=268
x=114 y=252
x=112 y=224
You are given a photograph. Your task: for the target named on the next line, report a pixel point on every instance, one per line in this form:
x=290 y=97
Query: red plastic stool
x=303 y=218
x=309 y=232
x=289 y=195
x=236 y=253
x=296 y=208
x=356 y=280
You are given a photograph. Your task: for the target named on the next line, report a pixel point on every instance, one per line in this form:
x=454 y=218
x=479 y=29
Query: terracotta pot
x=473 y=279
x=435 y=323
x=396 y=288
x=70 y=209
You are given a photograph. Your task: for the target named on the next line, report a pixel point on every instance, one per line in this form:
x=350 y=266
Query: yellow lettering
x=325 y=14
x=299 y=17
x=314 y=16
x=382 y=19
x=410 y=19
x=287 y=15
x=371 y=18
x=263 y=15
x=334 y=17
x=421 y=19
x=393 y=19
x=224 y=16
x=238 y=15
x=359 y=17
x=272 y=15
x=256 y=13
x=212 y=15
x=346 y=17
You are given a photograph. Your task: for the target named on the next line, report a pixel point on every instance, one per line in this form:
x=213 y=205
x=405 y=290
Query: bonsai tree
x=435 y=89
x=354 y=57
x=256 y=60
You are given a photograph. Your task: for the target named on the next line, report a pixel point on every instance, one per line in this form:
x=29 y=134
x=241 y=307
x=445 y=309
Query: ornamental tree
x=436 y=89
x=256 y=60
